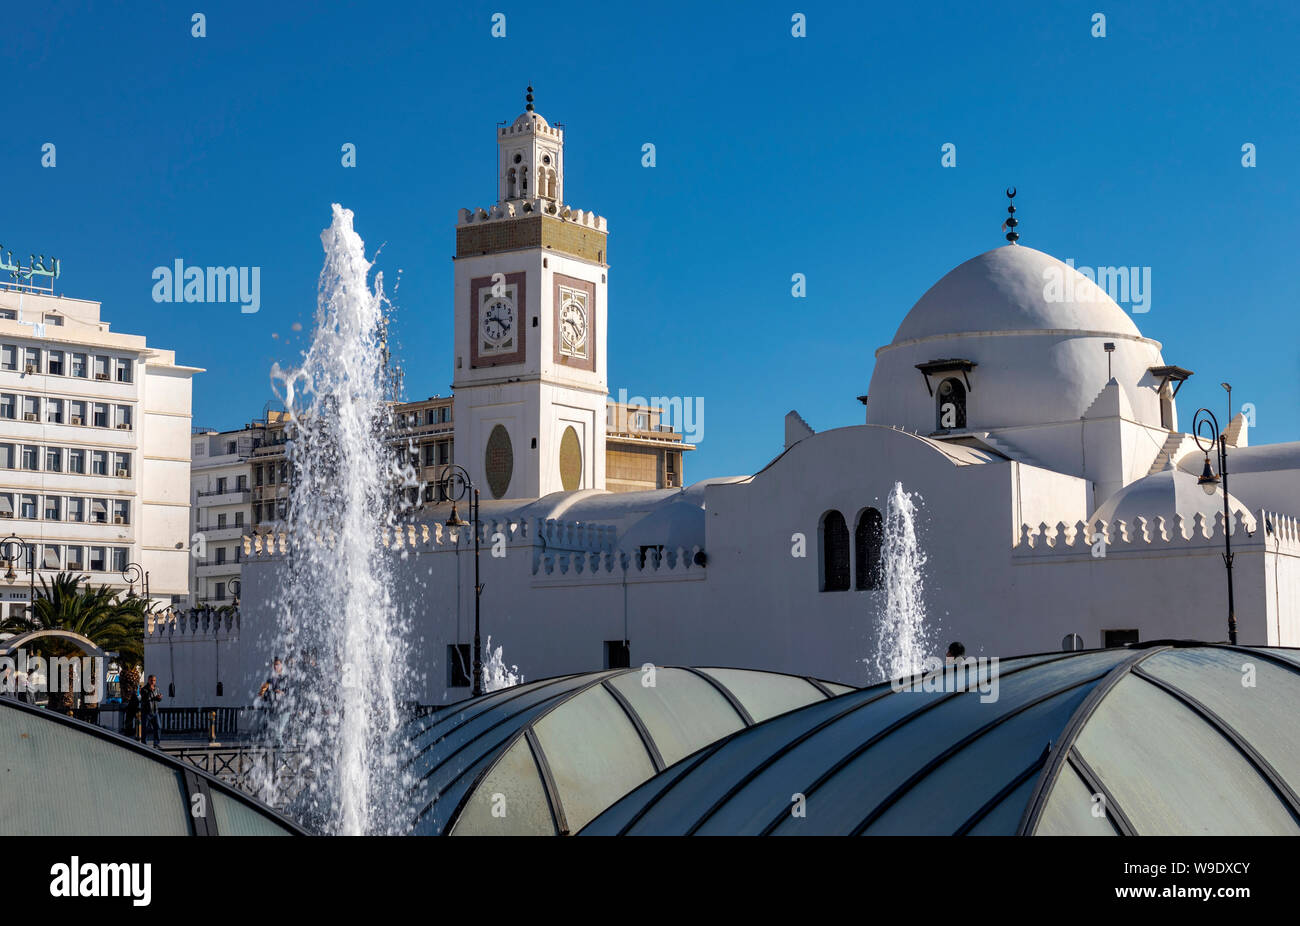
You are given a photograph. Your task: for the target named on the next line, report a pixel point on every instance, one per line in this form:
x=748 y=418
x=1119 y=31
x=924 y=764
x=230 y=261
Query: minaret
x=530 y=283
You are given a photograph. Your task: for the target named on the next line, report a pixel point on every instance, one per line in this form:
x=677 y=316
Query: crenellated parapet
x=522 y=208
x=221 y=624
x=1281 y=531
x=678 y=563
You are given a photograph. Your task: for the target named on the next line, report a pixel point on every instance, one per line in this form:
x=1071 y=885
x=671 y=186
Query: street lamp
x=455 y=483
x=1209 y=484
x=134 y=573
x=10 y=576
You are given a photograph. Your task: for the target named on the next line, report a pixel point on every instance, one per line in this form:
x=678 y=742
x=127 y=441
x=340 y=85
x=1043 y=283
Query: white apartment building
x=94 y=449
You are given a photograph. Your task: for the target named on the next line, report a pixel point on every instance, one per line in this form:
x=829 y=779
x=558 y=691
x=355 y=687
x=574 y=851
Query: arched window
x=524 y=174
x=835 y=552
x=513 y=179
x=866 y=545
x=951 y=410
x=550 y=183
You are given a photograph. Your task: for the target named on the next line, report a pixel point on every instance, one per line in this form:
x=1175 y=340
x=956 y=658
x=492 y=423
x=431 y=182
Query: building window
x=6 y=505
x=232 y=447
x=618 y=654
x=77 y=365
x=53 y=460
x=122 y=464
x=123 y=370
x=97 y=559
x=53 y=508
x=32 y=360
x=77 y=509
x=76 y=558
x=121 y=512
x=8 y=405
x=643 y=421
x=120 y=559
x=459 y=668
x=834 y=533
x=239 y=518
x=31 y=408
x=55 y=321
x=951 y=409
x=866 y=546
x=257 y=474
x=76 y=412
x=51 y=556
x=31 y=457
x=54 y=411
x=7 y=458
x=123 y=417
x=99 y=511
x=101 y=368
x=77 y=461
x=99 y=463
x=221 y=555
x=429 y=451
x=219 y=590
x=29 y=507
x=241 y=483
x=221 y=521
x=1111 y=638
x=101 y=415
x=8 y=357
x=54 y=362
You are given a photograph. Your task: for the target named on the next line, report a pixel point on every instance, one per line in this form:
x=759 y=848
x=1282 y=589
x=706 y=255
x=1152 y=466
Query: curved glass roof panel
x=681 y=711
x=55 y=778
x=560 y=751
x=1166 y=735
x=595 y=754
x=765 y=694
x=1244 y=693
x=1139 y=742
x=1073 y=809
x=511 y=800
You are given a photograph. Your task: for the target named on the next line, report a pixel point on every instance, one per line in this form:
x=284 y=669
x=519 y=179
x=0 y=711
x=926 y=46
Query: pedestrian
x=149 y=698
x=131 y=703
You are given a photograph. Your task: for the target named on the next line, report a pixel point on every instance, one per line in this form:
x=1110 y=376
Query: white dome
x=1165 y=494
x=1008 y=289
x=1033 y=331
x=531 y=118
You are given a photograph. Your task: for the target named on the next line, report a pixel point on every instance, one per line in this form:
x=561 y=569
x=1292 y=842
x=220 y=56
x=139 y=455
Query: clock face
x=573 y=328
x=497 y=322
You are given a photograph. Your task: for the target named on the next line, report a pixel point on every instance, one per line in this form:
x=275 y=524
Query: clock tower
x=530 y=283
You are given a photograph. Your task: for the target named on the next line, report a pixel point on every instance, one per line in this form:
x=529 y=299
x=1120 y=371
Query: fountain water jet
x=339 y=629
x=903 y=636
x=496 y=675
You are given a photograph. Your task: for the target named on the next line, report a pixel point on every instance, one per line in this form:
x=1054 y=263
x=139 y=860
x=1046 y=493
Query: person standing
x=132 y=709
x=149 y=698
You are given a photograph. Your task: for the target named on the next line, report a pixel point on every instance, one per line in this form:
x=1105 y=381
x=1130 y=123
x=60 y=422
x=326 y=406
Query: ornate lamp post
x=1209 y=483
x=455 y=483
x=10 y=576
x=134 y=573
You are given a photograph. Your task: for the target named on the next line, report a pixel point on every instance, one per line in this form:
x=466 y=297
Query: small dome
x=1014 y=288
x=1165 y=494
x=534 y=119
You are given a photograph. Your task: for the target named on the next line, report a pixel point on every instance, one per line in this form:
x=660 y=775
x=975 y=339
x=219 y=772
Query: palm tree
x=113 y=624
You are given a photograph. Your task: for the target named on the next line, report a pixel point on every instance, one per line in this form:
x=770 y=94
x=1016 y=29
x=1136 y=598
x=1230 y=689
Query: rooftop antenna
x=1011 y=222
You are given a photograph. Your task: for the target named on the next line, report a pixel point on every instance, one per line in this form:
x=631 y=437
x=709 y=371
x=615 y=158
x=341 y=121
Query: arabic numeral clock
x=497 y=324
x=573 y=328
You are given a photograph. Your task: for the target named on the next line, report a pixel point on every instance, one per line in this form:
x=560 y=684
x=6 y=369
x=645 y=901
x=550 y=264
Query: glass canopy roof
x=548 y=756
x=1162 y=739
x=62 y=777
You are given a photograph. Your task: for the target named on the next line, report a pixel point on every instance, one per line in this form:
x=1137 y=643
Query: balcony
x=223 y=497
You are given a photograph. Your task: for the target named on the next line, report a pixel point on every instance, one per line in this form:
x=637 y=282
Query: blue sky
x=775 y=156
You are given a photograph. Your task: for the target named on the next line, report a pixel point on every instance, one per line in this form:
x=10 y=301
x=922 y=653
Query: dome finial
x=1011 y=222
x=528 y=97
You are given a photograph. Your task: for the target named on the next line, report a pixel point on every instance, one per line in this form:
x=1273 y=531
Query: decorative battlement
x=531 y=127
x=559 y=548
x=189 y=628
x=1142 y=534
x=539 y=206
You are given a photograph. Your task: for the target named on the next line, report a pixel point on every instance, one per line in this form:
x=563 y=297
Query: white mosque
x=1059 y=502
